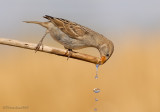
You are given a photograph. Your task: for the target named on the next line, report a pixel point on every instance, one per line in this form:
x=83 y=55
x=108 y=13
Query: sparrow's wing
x=72 y=29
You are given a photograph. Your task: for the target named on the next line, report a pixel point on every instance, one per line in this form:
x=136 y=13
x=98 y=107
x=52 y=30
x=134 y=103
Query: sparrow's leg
x=40 y=42
x=69 y=51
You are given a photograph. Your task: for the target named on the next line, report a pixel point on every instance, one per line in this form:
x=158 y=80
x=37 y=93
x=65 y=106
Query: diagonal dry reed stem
x=51 y=50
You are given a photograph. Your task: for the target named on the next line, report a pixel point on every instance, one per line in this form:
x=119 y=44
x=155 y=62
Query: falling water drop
x=97 y=65
x=96 y=90
x=96 y=99
x=96 y=77
x=95 y=109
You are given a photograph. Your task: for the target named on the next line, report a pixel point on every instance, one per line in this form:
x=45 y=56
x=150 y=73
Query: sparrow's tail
x=44 y=24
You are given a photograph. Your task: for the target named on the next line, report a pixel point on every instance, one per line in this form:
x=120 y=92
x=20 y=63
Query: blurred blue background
x=108 y=17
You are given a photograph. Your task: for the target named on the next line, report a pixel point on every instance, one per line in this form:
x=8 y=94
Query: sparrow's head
x=106 y=50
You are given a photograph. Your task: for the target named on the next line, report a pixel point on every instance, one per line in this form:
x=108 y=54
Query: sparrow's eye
x=107 y=55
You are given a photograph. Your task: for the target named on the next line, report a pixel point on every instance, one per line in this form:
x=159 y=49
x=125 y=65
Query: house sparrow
x=74 y=36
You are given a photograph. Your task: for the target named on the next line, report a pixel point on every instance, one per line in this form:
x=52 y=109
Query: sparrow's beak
x=103 y=60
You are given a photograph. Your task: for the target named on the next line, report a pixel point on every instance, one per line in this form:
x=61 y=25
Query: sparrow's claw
x=69 y=55
x=69 y=52
x=40 y=42
x=38 y=46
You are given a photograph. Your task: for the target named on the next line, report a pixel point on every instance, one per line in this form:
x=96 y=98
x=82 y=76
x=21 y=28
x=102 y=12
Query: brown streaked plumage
x=72 y=29
x=74 y=36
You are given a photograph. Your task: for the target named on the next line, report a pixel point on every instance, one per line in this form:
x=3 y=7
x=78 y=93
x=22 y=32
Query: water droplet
x=96 y=77
x=95 y=109
x=96 y=99
x=96 y=90
x=97 y=65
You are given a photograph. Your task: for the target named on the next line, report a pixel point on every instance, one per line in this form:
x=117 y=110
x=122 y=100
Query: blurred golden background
x=41 y=82
x=129 y=81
